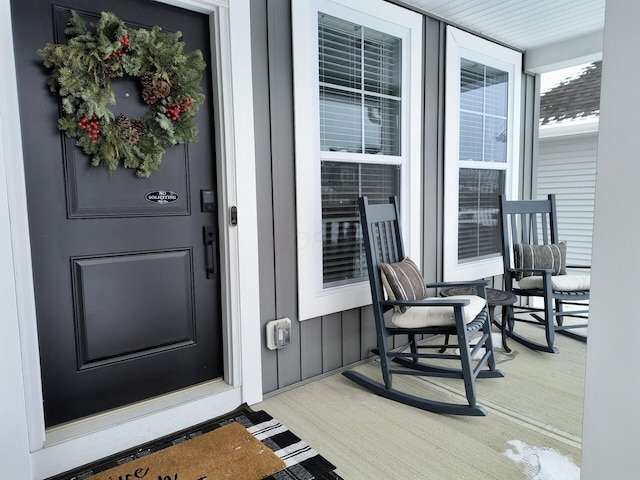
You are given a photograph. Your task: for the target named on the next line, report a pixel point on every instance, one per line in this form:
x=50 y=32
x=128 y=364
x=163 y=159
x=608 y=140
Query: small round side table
x=495 y=298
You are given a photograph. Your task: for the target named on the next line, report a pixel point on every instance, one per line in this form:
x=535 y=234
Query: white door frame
x=62 y=448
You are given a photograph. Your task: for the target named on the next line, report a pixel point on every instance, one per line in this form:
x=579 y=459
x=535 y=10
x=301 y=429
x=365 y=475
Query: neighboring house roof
x=574 y=98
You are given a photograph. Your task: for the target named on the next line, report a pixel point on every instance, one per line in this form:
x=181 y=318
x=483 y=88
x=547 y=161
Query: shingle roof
x=574 y=98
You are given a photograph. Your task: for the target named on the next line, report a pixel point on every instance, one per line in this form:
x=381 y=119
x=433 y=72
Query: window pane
x=343 y=256
x=340 y=121
x=471 y=136
x=360 y=78
x=339 y=52
x=382 y=62
x=471 y=86
x=496 y=92
x=483 y=112
x=381 y=126
x=478 y=213
x=495 y=140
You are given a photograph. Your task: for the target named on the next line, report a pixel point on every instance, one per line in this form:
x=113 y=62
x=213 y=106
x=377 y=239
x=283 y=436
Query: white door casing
x=71 y=445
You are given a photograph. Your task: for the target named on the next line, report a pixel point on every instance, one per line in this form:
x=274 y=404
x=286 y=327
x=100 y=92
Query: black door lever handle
x=210 y=249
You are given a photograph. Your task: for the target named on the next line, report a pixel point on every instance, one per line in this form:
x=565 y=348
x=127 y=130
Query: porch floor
x=539 y=403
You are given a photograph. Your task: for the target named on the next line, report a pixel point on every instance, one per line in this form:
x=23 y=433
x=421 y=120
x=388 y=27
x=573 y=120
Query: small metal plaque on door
x=162 y=197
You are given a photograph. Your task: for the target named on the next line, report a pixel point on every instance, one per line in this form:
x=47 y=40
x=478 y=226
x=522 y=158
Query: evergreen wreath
x=81 y=74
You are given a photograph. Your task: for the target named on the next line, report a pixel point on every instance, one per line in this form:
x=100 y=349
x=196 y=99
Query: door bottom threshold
x=84 y=426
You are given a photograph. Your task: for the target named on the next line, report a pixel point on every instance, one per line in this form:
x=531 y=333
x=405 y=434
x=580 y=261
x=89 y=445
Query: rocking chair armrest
x=540 y=271
x=579 y=266
x=468 y=283
x=427 y=302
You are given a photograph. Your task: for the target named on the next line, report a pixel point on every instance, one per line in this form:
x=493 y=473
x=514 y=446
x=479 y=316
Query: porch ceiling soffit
x=552 y=34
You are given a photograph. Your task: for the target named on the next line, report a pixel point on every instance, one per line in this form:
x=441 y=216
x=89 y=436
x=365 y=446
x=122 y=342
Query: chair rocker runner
x=416 y=316
x=535 y=267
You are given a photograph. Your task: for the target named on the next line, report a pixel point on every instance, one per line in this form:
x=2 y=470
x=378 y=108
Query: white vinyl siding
x=567 y=167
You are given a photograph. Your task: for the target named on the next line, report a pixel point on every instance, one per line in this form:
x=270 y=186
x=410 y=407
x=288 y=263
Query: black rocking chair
x=415 y=317
x=535 y=266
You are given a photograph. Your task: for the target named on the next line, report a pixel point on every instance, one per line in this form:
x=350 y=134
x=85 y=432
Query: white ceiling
x=524 y=24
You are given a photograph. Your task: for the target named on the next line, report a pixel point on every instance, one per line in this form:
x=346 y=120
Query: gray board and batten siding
x=325 y=344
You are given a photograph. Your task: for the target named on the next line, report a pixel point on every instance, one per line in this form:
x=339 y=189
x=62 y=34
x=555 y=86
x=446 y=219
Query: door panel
x=127 y=305
x=113 y=325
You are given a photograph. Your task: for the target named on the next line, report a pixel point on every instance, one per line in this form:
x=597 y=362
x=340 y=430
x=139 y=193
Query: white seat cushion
x=417 y=317
x=561 y=283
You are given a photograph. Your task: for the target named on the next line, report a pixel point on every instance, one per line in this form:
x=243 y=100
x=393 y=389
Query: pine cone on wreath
x=146 y=80
x=123 y=122
x=133 y=137
x=139 y=125
x=162 y=89
x=149 y=95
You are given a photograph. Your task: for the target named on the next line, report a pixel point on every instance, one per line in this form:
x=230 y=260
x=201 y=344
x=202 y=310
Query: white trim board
x=67 y=447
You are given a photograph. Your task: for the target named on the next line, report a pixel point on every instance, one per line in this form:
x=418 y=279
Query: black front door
x=127 y=291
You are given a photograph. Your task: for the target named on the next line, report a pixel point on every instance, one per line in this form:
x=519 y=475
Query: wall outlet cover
x=278 y=333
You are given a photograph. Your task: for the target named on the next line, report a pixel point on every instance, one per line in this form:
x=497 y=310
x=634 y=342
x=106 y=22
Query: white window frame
x=461 y=44
x=313 y=299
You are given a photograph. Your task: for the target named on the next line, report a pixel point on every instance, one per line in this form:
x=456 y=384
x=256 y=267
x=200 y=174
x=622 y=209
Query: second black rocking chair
x=535 y=268
x=416 y=316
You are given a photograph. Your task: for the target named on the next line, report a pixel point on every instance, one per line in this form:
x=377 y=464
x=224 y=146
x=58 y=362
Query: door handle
x=210 y=250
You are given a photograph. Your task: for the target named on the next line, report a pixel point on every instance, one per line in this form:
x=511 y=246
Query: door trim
x=239 y=246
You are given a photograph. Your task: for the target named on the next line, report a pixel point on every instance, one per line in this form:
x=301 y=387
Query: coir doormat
x=267 y=450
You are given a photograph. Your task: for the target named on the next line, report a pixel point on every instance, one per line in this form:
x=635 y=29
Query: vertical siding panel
x=368 y=339
x=529 y=134
x=331 y=342
x=283 y=180
x=311 y=347
x=350 y=336
x=260 y=69
x=433 y=152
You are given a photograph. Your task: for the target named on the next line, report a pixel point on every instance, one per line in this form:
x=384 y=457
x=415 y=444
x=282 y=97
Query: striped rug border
x=302 y=461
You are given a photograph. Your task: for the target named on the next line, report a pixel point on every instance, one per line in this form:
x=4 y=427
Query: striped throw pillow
x=553 y=256
x=403 y=281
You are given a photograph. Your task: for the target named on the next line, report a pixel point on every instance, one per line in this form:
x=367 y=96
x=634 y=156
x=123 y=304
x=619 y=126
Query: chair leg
x=465 y=358
x=549 y=316
x=414 y=347
x=486 y=328
x=547 y=322
x=384 y=361
x=446 y=342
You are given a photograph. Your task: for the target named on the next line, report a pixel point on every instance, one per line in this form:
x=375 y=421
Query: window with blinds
x=483 y=112
x=359 y=98
x=342 y=183
x=478 y=213
x=483 y=138
x=359 y=76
